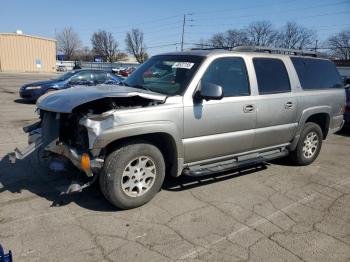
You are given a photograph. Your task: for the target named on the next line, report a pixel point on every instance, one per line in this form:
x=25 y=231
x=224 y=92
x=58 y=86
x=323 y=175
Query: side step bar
x=234 y=163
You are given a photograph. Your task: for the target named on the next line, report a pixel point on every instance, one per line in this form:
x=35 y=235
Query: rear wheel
x=132 y=175
x=309 y=145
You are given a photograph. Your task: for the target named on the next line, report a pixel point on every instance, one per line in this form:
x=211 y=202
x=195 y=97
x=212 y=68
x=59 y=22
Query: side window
x=316 y=73
x=81 y=77
x=272 y=76
x=99 y=77
x=231 y=74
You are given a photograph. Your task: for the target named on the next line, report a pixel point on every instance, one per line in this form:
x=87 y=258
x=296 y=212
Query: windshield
x=65 y=76
x=165 y=74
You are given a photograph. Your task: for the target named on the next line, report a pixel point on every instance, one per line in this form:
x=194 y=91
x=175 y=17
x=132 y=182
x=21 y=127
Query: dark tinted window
x=316 y=73
x=272 y=76
x=231 y=74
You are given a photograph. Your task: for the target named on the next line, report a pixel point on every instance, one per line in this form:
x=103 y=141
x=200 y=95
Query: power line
x=274 y=13
x=242 y=8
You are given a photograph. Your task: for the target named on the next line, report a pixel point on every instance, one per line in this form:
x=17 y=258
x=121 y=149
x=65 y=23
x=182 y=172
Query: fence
x=68 y=65
x=344 y=70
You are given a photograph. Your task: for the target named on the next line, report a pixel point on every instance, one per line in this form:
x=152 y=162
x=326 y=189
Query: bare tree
x=340 y=44
x=104 y=45
x=68 y=42
x=121 y=56
x=84 y=54
x=202 y=43
x=230 y=38
x=218 y=40
x=294 y=36
x=261 y=33
x=135 y=45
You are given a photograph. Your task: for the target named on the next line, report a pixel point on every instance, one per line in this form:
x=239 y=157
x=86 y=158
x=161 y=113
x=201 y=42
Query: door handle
x=288 y=105
x=248 y=108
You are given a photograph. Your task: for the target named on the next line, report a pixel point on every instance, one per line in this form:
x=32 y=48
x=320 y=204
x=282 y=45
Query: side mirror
x=209 y=91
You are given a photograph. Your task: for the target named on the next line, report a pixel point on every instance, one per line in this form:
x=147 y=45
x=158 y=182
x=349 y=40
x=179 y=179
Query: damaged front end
x=58 y=137
x=69 y=132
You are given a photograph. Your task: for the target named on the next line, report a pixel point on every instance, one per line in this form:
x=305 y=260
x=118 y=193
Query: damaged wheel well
x=163 y=141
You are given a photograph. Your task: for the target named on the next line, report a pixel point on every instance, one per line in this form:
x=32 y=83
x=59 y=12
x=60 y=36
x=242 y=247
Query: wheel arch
x=162 y=135
x=320 y=115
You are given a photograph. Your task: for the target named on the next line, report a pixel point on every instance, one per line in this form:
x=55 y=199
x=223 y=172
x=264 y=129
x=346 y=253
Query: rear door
x=276 y=106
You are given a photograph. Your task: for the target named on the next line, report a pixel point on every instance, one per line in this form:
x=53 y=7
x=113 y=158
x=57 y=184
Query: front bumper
x=35 y=142
x=31 y=95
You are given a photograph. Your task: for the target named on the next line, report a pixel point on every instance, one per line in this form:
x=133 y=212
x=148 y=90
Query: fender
x=144 y=128
x=304 y=116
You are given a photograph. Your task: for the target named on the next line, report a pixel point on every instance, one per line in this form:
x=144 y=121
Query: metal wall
x=24 y=53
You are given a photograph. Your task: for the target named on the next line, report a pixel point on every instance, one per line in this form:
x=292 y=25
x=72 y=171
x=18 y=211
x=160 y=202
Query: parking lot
x=273 y=212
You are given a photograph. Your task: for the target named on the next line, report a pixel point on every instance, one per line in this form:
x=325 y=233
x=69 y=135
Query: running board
x=234 y=163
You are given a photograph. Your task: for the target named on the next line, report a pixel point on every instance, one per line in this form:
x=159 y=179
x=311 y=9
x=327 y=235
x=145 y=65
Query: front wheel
x=132 y=175
x=309 y=145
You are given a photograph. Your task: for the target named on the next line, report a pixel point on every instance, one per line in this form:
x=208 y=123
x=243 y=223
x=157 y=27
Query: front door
x=219 y=128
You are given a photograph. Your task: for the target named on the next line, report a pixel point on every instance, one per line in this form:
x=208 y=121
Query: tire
x=140 y=165
x=306 y=152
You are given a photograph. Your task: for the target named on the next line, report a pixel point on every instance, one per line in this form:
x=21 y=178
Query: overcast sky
x=161 y=20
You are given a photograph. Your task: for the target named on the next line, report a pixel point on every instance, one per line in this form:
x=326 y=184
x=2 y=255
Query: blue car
x=347 y=107
x=88 y=77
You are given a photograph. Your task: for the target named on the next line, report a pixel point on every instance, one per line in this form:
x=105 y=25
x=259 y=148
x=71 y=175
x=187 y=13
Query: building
x=25 y=53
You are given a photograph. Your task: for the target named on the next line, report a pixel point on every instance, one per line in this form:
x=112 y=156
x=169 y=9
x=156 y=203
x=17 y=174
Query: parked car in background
x=127 y=72
x=117 y=70
x=60 y=68
x=88 y=77
x=347 y=103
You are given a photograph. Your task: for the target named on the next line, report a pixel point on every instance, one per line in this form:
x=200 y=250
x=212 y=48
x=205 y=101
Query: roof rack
x=271 y=50
x=265 y=49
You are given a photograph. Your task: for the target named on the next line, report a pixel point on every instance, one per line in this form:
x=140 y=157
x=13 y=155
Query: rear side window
x=231 y=74
x=272 y=76
x=316 y=73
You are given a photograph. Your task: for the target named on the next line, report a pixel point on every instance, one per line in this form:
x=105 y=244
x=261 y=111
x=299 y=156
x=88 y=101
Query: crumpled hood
x=65 y=101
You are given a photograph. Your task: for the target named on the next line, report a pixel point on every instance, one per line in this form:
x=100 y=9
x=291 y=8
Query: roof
x=210 y=52
x=31 y=36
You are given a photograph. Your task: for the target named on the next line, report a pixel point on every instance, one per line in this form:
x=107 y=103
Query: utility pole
x=184 y=24
x=316 y=46
x=183 y=33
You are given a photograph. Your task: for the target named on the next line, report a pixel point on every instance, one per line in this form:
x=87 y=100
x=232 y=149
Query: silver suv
x=193 y=113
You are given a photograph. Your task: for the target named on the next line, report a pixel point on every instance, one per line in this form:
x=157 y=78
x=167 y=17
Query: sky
x=161 y=20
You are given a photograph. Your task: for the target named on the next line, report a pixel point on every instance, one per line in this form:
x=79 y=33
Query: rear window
x=272 y=76
x=316 y=73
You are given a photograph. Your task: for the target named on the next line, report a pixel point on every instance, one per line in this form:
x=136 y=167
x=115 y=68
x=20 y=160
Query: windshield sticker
x=185 y=65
